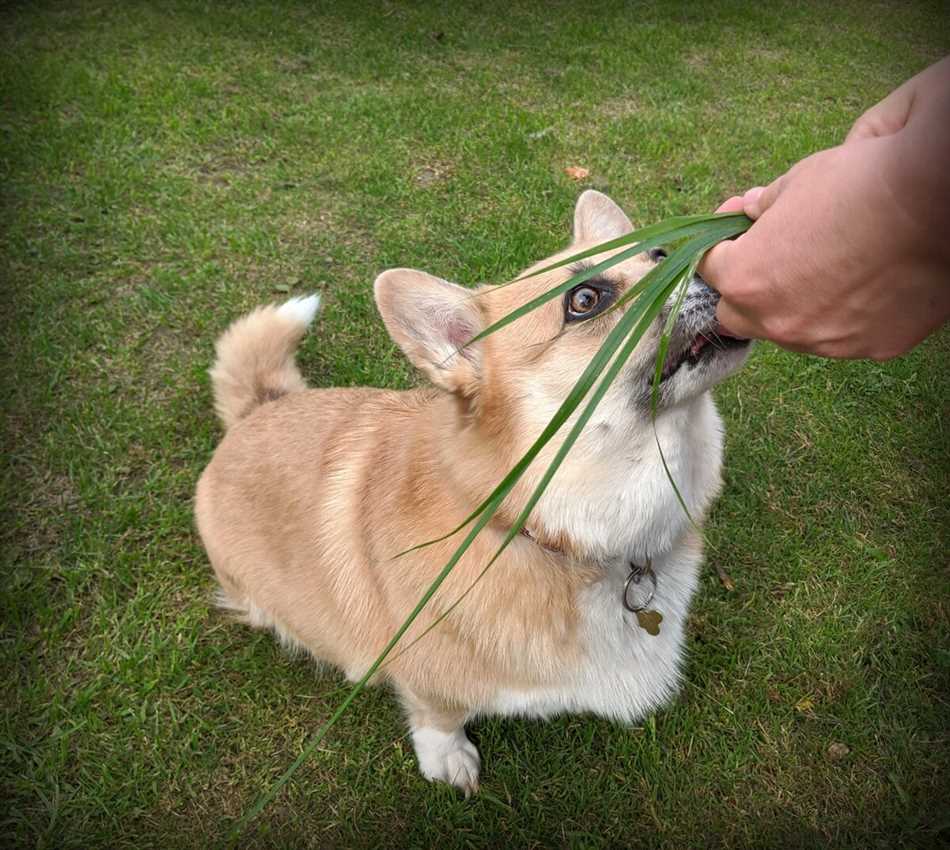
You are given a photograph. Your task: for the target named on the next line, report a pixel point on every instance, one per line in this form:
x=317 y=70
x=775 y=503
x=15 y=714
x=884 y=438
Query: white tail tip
x=301 y=309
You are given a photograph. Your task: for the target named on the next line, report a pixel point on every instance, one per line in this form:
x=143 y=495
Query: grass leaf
x=664 y=233
x=627 y=333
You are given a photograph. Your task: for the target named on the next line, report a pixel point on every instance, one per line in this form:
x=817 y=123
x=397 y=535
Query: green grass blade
x=667 y=232
x=708 y=234
x=662 y=237
x=662 y=281
x=677 y=261
x=554 y=292
x=683 y=284
x=661 y=231
x=655 y=391
x=646 y=309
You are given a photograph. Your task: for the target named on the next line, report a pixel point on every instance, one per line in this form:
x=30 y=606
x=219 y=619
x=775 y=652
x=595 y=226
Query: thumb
x=723 y=268
x=756 y=201
x=719 y=268
x=718 y=262
x=733 y=204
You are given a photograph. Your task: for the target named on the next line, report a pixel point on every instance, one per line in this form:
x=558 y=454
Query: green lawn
x=166 y=166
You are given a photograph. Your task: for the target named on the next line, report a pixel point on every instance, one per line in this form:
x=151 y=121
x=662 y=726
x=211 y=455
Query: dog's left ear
x=431 y=319
x=598 y=219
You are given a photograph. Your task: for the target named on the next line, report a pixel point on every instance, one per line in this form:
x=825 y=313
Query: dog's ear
x=431 y=319
x=598 y=219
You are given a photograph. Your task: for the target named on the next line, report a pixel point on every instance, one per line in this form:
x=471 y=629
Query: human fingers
x=892 y=113
x=758 y=199
x=733 y=204
x=719 y=268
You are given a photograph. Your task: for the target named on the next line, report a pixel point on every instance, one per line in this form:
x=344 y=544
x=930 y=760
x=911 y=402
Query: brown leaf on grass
x=577 y=172
x=837 y=751
x=725 y=579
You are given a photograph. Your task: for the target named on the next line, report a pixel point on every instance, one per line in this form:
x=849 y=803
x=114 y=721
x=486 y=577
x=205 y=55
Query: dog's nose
x=701 y=292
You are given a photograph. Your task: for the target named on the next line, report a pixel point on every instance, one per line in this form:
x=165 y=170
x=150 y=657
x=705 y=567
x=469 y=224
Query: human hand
x=848 y=257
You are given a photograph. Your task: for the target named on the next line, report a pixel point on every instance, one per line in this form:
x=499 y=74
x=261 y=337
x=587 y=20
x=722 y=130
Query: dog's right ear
x=598 y=219
x=431 y=319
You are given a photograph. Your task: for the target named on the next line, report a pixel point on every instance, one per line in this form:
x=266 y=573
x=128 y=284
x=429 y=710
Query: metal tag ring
x=636 y=573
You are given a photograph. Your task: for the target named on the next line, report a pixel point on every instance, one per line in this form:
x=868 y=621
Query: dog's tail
x=255 y=358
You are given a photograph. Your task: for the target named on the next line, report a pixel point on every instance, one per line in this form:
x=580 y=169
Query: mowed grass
x=165 y=167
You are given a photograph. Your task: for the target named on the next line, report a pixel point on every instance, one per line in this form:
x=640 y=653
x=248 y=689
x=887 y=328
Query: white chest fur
x=627 y=672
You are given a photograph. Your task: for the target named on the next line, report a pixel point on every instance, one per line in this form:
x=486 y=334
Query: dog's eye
x=657 y=254
x=585 y=301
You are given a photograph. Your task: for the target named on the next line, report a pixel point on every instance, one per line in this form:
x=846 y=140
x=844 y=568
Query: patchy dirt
x=431 y=173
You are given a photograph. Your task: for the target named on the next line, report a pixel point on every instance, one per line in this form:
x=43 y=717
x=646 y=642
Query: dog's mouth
x=704 y=346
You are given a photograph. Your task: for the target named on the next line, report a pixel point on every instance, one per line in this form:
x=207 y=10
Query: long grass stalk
x=676 y=274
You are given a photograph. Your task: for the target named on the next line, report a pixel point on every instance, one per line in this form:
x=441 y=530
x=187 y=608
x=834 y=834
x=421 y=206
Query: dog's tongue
x=702 y=340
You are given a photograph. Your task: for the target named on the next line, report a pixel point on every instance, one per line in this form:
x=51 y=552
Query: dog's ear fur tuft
x=431 y=319
x=598 y=219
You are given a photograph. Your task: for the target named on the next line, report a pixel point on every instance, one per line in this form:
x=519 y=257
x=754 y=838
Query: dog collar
x=525 y=533
x=638 y=590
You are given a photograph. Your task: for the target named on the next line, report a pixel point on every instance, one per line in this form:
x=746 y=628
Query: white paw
x=447 y=757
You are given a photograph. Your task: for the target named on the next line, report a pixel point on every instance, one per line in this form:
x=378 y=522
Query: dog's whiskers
x=716 y=343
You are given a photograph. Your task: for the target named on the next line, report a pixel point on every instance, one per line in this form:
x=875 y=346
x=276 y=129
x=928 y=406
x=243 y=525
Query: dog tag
x=649 y=621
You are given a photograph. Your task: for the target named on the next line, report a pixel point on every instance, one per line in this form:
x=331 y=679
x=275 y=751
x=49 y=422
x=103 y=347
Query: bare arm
x=850 y=252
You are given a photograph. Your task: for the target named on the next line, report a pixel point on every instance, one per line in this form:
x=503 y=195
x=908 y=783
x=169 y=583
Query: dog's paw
x=447 y=757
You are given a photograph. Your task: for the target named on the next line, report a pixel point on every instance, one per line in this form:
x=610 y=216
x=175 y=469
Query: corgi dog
x=312 y=492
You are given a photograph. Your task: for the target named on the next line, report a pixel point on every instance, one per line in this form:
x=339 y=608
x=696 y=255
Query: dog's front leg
x=444 y=752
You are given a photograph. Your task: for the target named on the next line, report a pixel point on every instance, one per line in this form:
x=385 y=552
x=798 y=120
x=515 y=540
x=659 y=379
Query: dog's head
x=521 y=374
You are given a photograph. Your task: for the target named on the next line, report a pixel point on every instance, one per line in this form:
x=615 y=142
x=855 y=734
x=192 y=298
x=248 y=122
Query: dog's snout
x=699 y=291
x=699 y=306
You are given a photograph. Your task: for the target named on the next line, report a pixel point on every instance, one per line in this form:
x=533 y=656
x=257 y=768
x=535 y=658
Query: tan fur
x=312 y=492
x=306 y=502
x=255 y=363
